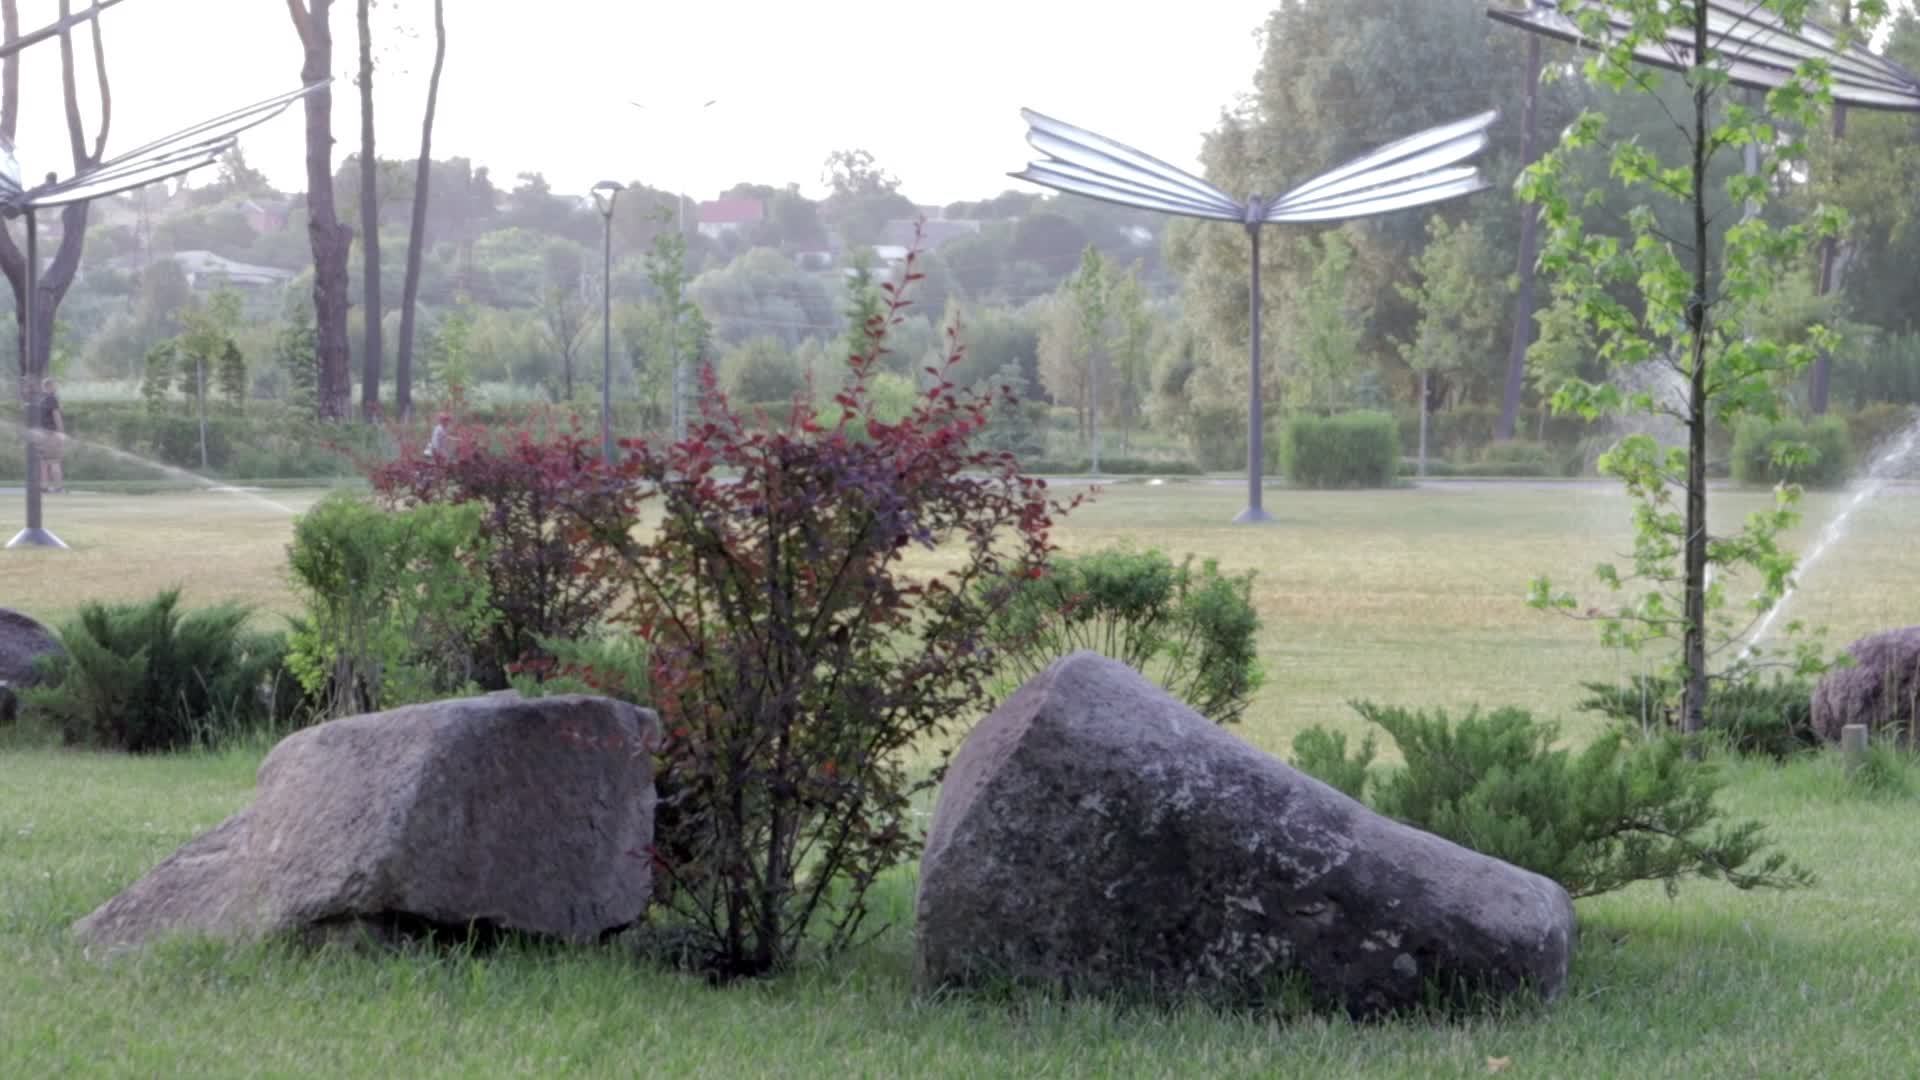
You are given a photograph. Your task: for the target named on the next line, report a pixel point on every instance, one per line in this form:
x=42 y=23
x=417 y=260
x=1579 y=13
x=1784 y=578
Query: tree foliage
x=1679 y=289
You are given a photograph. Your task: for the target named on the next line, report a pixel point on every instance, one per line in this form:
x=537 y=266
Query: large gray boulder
x=1095 y=834
x=1880 y=690
x=23 y=641
x=497 y=813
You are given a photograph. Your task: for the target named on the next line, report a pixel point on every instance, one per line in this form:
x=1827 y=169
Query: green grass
x=1715 y=983
x=1411 y=596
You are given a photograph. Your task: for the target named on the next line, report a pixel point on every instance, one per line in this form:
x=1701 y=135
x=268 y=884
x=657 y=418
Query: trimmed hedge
x=1824 y=453
x=1218 y=438
x=1872 y=425
x=1111 y=467
x=1352 y=450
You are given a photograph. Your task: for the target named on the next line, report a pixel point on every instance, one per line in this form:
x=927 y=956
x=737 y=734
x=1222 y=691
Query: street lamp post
x=604 y=194
x=1415 y=171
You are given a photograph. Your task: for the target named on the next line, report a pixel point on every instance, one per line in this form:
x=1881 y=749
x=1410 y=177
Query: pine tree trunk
x=1426 y=408
x=371 y=347
x=330 y=239
x=1529 y=253
x=417 y=232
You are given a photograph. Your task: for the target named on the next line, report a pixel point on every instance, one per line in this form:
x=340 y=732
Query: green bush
x=1622 y=810
x=1437 y=468
x=1461 y=432
x=1814 y=455
x=148 y=677
x=1217 y=435
x=1750 y=717
x=1353 y=450
x=1193 y=631
x=392 y=601
x=1871 y=426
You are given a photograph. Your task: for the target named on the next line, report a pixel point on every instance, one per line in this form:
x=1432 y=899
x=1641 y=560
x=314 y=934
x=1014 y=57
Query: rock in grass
x=496 y=813
x=1095 y=834
x=1880 y=690
x=23 y=642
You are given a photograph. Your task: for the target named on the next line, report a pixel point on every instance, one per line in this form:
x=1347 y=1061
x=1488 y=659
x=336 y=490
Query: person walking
x=52 y=436
x=437 y=444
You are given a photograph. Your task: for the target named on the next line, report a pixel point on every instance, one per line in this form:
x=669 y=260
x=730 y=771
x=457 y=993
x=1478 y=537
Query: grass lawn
x=1410 y=596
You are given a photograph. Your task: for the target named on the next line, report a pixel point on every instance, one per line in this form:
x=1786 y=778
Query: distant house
x=718 y=217
x=205 y=270
x=935 y=233
x=265 y=215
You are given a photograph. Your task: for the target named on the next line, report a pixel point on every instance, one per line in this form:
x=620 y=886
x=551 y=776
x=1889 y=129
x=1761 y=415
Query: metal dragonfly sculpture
x=163 y=159
x=1759 y=49
x=1415 y=171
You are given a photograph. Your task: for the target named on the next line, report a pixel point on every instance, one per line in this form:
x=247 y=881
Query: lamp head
x=604 y=193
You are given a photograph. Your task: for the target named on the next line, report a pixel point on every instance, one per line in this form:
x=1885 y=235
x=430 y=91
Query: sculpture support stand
x=34 y=535
x=1256 y=419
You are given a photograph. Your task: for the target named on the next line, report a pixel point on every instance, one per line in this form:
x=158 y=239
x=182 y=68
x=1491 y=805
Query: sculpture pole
x=1256 y=411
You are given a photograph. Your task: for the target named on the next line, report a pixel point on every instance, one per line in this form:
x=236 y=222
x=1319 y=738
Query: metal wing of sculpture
x=1083 y=163
x=1760 y=50
x=1414 y=171
x=162 y=159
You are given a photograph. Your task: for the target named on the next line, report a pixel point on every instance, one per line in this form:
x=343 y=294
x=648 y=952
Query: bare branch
x=106 y=92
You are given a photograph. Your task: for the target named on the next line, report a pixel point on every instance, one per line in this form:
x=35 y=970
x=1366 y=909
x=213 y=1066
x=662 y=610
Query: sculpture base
x=36 y=538
x=1253 y=515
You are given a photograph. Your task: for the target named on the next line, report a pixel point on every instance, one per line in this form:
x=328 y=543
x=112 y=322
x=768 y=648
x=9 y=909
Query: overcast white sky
x=933 y=90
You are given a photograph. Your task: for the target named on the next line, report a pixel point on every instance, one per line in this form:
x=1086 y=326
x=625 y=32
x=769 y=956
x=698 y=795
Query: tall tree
x=53 y=283
x=417 y=232
x=329 y=238
x=371 y=346
x=1822 y=374
x=1526 y=260
x=1691 y=295
x=1459 y=303
x=563 y=317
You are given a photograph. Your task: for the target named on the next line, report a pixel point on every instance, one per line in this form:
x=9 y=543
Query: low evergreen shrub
x=1352 y=450
x=1192 y=630
x=150 y=677
x=1620 y=811
x=1752 y=717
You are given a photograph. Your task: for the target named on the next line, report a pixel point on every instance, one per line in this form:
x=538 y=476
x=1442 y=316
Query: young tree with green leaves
x=864 y=302
x=450 y=353
x=682 y=330
x=295 y=350
x=1133 y=330
x=1089 y=288
x=1679 y=289
x=232 y=375
x=1330 y=323
x=1461 y=309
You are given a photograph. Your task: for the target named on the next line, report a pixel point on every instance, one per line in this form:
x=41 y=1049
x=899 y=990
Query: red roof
x=731 y=212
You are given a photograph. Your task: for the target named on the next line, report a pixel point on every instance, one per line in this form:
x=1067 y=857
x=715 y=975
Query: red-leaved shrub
x=816 y=601
x=538 y=482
